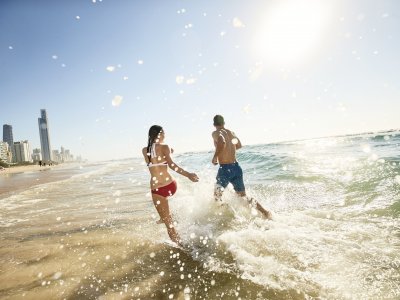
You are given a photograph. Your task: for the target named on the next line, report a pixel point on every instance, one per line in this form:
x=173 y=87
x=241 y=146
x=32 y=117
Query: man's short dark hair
x=219 y=120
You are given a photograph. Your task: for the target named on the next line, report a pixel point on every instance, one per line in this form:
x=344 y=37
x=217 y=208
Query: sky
x=106 y=71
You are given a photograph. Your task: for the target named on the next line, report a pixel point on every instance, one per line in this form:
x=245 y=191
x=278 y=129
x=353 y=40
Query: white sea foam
x=318 y=251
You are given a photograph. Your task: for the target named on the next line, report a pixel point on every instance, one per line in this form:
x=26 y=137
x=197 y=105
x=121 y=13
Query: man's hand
x=215 y=160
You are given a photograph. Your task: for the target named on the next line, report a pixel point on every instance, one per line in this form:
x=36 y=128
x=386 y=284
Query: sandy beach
x=22 y=177
x=23 y=169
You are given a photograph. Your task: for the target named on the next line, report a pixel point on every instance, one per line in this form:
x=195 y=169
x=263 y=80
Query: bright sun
x=292 y=31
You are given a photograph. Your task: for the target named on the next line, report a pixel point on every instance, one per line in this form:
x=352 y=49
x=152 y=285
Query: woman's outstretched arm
x=167 y=153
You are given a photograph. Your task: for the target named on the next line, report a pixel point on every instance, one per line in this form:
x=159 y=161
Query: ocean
x=89 y=231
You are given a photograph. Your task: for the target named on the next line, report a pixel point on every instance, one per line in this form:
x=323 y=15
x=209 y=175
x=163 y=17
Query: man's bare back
x=226 y=144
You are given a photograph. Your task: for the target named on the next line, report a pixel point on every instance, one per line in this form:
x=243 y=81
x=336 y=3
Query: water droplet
x=179 y=79
x=116 y=101
x=110 y=68
x=237 y=23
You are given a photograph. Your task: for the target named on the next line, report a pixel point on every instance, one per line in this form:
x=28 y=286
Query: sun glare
x=292 y=31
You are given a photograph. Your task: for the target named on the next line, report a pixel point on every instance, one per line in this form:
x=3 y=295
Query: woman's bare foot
x=178 y=242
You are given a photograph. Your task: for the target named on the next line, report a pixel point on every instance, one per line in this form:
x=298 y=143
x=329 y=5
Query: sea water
x=92 y=233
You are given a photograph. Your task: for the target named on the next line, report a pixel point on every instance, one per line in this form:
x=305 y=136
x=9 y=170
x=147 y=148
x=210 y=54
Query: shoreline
x=19 y=178
x=24 y=169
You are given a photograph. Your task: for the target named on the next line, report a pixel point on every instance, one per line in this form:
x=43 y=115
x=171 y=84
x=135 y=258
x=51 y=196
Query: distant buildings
x=9 y=139
x=5 y=152
x=44 y=136
x=36 y=155
x=62 y=156
x=22 y=152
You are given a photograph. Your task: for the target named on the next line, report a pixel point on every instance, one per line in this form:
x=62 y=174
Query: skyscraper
x=44 y=136
x=9 y=139
x=22 y=151
x=5 y=152
x=37 y=155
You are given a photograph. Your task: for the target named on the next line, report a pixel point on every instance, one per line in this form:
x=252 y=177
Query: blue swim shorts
x=231 y=173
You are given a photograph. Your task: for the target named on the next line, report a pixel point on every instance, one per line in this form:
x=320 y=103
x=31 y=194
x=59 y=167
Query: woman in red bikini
x=158 y=158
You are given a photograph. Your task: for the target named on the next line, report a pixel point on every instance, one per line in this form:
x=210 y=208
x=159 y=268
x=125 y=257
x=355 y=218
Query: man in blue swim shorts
x=226 y=143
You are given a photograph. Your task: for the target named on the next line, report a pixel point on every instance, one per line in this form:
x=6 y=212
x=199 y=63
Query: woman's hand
x=193 y=177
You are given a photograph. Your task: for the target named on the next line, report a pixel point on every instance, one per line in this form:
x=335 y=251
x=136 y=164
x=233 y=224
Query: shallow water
x=91 y=234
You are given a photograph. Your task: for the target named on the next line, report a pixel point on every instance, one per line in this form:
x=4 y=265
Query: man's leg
x=218 y=191
x=240 y=189
x=254 y=203
x=221 y=184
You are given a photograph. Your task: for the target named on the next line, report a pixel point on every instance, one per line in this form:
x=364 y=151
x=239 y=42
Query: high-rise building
x=36 y=155
x=5 y=152
x=9 y=139
x=65 y=155
x=56 y=156
x=44 y=136
x=22 y=151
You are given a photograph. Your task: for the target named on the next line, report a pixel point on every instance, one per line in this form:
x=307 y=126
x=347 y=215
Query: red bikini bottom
x=166 y=191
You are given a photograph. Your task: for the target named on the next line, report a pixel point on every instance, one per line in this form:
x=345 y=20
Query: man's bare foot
x=267 y=214
x=160 y=222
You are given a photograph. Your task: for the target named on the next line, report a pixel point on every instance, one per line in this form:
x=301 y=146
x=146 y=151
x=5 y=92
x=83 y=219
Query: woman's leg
x=161 y=204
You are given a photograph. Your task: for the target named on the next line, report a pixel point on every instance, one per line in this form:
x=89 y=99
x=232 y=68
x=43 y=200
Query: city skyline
x=21 y=150
x=277 y=70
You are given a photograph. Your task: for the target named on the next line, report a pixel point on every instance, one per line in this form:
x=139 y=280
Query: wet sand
x=23 y=169
x=22 y=177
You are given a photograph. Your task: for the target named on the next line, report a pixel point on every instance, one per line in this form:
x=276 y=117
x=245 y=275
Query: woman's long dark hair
x=154 y=131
